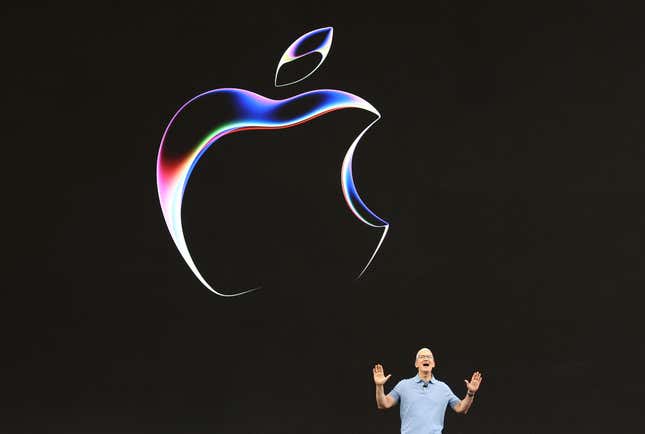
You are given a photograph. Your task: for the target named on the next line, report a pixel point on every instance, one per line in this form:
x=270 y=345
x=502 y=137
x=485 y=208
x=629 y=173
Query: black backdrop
x=509 y=162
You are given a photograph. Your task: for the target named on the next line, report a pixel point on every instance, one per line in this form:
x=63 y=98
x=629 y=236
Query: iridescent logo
x=182 y=145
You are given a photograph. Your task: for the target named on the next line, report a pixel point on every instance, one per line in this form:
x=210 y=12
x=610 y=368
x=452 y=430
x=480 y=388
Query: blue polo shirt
x=423 y=405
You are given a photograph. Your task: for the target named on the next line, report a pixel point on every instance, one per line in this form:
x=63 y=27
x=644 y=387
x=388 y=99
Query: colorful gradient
x=294 y=52
x=246 y=110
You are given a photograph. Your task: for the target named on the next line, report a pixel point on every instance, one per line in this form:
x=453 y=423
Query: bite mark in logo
x=181 y=146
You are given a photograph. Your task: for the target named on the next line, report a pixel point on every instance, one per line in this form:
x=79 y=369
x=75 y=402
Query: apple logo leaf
x=302 y=47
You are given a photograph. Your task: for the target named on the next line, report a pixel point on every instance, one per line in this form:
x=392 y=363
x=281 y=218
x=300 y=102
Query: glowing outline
x=172 y=176
x=290 y=53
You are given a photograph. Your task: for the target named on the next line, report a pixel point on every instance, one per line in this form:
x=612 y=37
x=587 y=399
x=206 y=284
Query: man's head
x=424 y=361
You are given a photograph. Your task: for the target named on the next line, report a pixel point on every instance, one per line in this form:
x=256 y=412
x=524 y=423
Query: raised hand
x=379 y=377
x=475 y=381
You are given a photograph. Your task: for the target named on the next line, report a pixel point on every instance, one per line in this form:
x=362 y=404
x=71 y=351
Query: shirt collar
x=418 y=379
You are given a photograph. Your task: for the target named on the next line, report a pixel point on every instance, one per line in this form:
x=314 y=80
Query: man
x=423 y=398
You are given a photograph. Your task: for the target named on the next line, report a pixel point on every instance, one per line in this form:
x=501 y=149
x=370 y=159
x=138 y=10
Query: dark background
x=509 y=162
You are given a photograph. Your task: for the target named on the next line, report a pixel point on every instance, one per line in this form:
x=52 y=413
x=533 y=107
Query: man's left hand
x=473 y=384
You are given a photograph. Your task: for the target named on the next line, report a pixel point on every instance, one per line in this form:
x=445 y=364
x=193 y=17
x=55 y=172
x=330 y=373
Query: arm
x=383 y=401
x=464 y=404
x=472 y=387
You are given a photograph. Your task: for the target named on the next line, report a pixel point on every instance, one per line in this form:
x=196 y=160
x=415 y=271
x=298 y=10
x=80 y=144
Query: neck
x=425 y=376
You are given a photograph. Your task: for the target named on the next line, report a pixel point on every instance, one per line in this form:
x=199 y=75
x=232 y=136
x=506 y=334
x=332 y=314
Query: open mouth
x=426 y=365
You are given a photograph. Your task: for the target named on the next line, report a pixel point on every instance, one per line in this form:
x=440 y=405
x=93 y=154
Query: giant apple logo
x=228 y=110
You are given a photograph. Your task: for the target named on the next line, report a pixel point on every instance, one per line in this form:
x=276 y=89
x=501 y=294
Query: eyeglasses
x=425 y=356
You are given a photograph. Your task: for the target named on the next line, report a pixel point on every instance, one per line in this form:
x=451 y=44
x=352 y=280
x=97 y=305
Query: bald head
x=423 y=351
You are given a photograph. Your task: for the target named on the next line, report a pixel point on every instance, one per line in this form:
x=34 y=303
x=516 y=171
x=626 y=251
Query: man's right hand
x=379 y=377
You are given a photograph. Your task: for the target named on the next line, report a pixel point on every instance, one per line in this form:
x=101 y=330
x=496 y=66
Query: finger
x=388 y=377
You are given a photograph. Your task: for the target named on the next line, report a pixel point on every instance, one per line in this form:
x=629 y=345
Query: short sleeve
x=396 y=392
x=452 y=398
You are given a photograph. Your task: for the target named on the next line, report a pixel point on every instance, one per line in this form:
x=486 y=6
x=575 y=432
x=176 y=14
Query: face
x=425 y=361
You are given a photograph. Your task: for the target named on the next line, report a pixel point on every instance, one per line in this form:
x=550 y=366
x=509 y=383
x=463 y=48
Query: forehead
x=424 y=351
